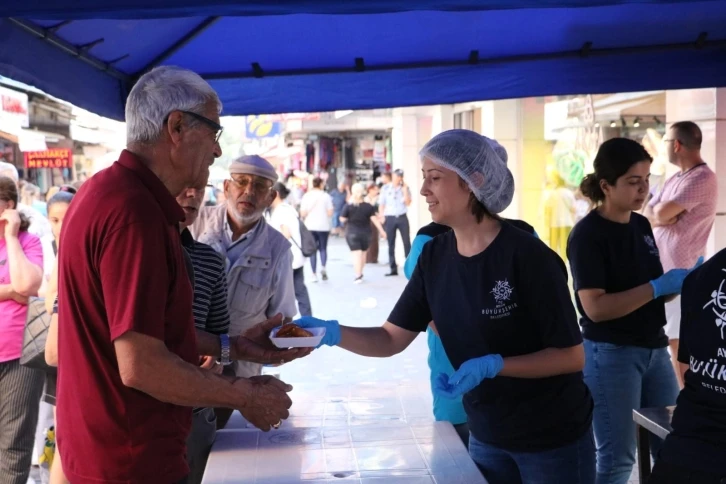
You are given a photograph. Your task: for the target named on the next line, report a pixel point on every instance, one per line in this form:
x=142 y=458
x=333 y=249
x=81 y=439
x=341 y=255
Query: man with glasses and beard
x=258 y=257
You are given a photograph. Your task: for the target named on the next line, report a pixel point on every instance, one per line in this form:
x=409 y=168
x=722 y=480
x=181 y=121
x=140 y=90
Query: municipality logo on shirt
x=718 y=306
x=651 y=243
x=502 y=293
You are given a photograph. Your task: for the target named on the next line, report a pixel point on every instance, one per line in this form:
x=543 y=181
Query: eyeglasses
x=259 y=185
x=671 y=140
x=216 y=128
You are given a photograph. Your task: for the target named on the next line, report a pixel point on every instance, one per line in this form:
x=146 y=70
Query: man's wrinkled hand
x=254 y=345
x=267 y=401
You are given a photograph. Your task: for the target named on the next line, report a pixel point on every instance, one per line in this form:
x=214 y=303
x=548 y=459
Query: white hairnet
x=481 y=162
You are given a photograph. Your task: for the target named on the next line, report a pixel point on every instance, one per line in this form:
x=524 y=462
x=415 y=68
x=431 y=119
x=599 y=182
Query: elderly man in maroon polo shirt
x=127 y=346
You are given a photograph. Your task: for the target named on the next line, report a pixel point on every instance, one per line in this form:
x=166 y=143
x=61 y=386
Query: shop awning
x=9 y=137
x=325 y=55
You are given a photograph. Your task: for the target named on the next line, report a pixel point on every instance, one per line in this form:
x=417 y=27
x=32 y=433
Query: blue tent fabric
x=92 y=9
x=321 y=55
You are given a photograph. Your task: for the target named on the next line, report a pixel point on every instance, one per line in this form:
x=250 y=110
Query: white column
x=443 y=119
x=507 y=131
x=707 y=108
x=405 y=144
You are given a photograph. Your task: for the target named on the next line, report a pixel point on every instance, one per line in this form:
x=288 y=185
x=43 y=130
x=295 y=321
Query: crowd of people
x=161 y=305
x=361 y=213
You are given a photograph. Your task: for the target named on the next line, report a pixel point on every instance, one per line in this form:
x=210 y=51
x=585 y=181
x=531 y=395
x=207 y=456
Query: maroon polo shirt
x=121 y=269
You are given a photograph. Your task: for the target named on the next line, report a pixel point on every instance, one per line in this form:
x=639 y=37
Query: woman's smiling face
x=445 y=194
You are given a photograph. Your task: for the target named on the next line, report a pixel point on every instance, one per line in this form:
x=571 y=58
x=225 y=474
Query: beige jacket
x=260 y=283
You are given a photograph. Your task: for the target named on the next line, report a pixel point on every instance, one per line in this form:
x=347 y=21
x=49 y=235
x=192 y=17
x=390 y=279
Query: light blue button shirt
x=393 y=201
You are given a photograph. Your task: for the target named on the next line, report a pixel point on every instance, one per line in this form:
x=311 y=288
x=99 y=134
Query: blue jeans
x=321 y=241
x=571 y=464
x=621 y=379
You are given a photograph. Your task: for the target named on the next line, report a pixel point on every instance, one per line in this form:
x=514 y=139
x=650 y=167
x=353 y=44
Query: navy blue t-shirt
x=617 y=257
x=698 y=440
x=511 y=299
x=433 y=229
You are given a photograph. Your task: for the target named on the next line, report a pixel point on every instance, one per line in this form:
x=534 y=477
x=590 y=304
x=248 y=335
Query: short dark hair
x=60 y=197
x=281 y=190
x=9 y=193
x=688 y=134
x=317 y=182
x=478 y=209
x=614 y=158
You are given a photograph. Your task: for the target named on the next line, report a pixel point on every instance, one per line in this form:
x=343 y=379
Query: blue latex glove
x=672 y=281
x=332 y=329
x=468 y=376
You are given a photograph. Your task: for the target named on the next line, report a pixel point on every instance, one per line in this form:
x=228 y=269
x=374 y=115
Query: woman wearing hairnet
x=446 y=409
x=503 y=311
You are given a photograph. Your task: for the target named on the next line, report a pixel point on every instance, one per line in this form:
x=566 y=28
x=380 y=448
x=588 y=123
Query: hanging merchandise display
x=559 y=207
x=327 y=147
x=309 y=158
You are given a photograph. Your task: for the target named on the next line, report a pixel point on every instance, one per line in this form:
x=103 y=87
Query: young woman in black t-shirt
x=358 y=216
x=695 y=452
x=619 y=290
x=502 y=309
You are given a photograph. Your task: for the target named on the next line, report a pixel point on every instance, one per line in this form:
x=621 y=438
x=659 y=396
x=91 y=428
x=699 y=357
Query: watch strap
x=224 y=344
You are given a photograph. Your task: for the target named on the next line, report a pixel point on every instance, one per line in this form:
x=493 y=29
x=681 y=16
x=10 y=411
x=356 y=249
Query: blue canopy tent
x=322 y=55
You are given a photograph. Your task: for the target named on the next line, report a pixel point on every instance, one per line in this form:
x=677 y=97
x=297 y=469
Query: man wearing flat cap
x=258 y=257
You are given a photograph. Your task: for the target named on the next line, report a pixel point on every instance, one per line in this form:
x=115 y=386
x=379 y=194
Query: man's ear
x=174 y=126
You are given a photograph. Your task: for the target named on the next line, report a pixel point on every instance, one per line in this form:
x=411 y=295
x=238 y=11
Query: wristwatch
x=224 y=343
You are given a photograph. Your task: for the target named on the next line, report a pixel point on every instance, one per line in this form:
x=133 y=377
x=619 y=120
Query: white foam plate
x=309 y=342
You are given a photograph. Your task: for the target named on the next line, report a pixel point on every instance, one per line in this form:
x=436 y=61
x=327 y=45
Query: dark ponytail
x=614 y=158
x=590 y=188
x=281 y=190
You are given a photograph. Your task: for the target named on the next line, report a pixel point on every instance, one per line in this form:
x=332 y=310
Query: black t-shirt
x=617 y=257
x=512 y=299
x=433 y=229
x=698 y=440
x=359 y=218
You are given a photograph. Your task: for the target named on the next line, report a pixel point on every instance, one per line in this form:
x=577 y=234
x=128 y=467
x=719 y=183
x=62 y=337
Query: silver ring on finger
x=277 y=425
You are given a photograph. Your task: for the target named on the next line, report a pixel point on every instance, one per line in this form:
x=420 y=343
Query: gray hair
x=159 y=92
x=8 y=170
